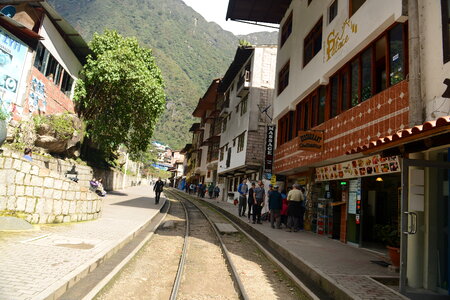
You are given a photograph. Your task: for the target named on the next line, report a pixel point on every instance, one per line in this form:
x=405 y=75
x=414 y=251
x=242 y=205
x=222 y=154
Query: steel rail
x=176 y=284
x=235 y=275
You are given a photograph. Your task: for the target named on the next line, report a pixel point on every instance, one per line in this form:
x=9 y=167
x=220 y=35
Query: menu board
x=367 y=166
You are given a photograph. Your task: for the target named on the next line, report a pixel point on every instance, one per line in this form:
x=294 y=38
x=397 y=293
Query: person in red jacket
x=284 y=208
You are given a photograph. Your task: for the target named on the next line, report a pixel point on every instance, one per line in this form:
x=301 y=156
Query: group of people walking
x=201 y=189
x=287 y=209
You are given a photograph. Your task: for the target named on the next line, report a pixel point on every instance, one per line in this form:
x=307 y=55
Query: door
x=425 y=240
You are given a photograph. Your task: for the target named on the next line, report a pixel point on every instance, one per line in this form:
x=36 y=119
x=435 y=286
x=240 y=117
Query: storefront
x=424 y=206
x=355 y=198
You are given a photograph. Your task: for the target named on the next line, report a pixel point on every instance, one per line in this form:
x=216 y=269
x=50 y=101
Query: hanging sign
x=310 y=141
x=367 y=166
x=270 y=140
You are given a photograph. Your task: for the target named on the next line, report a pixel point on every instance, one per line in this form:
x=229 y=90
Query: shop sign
x=338 y=38
x=273 y=180
x=368 y=166
x=12 y=60
x=310 y=141
x=270 y=140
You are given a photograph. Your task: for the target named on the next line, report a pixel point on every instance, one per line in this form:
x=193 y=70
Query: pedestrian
x=251 y=201
x=191 y=188
x=216 y=192
x=275 y=205
x=259 y=195
x=199 y=189
x=27 y=154
x=284 y=208
x=203 y=191
x=301 y=225
x=243 y=191
x=210 y=190
x=295 y=198
x=158 y=188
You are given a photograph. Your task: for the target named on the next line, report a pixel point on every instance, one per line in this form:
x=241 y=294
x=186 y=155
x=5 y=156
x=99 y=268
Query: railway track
x=188 y=258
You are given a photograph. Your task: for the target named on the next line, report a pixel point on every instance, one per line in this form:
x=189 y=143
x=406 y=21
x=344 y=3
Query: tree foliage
x=121 y=95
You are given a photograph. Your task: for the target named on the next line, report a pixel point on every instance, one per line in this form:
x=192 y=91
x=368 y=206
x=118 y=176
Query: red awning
x=430 y=130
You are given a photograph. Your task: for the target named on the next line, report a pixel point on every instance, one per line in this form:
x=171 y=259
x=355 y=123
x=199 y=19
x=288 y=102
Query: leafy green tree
x=121 y=95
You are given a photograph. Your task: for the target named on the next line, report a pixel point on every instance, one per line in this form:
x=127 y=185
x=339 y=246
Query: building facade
x=362 y=122
x=245 y=111
x=43 y=57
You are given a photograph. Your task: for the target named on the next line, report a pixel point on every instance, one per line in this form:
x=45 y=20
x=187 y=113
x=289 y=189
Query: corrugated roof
x=401 y=137
x=266 y=11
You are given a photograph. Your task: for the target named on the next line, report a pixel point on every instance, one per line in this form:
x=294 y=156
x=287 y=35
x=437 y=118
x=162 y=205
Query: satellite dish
x=9 y=11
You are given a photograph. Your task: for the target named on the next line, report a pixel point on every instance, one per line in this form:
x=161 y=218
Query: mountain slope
x=190 y=51
x=261 y=38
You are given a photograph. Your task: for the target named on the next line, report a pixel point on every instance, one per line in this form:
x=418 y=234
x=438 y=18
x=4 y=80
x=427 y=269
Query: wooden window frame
x=286 y=30
x=315 y=32
x=350 y=8
x=329 y=19
x=241 y=142
x=445 y=30
x=285 y=69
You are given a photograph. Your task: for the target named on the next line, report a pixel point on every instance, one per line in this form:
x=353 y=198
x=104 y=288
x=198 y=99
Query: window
x=312 y=43
x=224 y=124
x=283 y=78
x=286 y=30
x=334 y=94
x=445 y=9
x=397 y=54
x=221 y=153
x=241 y=140
x=244 y=105
x=354 y=85
x=380 y=65
x=355 y=5
x=332 y=11
x=322 y=100
x=49 y=66
x=366 y=74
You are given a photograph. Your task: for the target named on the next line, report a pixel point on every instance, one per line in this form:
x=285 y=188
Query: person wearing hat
x=295 y=199
x=275 y=205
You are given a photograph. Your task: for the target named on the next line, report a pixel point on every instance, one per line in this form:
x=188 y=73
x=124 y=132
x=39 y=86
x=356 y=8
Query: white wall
x=374 y=17
x=59 y=49
x=433 y=69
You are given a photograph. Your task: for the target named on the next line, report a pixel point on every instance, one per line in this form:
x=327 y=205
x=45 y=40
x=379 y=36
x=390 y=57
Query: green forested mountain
x=190 y=51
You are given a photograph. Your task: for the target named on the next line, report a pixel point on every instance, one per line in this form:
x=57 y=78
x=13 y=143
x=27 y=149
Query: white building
x=247 y=89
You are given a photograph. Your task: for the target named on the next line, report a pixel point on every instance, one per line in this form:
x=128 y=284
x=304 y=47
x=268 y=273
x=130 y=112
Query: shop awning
x=266 y=11
x=418 y=138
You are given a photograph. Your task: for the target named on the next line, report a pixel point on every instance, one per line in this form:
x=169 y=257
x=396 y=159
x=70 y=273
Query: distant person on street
x=27 y=154
x=284 y=208
x=275 y=205
x=302 y=210
x=295 y=198
x=191 y=188
x=210 y=190
x=251 y=201
x=243 y=191
x=158 y=188
x=259 y=195
x=100 y=189
x=216 y=192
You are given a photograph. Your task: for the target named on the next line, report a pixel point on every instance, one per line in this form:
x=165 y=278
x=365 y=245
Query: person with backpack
x=243 y=191
x=259 y=195
x=216 y=192
x=158 y=188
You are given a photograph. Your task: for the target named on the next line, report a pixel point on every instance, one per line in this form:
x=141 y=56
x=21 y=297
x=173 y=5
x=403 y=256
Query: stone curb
x=58 y=288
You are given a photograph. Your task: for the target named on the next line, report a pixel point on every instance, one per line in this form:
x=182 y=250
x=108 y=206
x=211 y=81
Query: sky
x=216 y=11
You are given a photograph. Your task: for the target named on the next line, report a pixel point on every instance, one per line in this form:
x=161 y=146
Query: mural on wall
x=12 y=60
x=37 y=99
x=337 y=40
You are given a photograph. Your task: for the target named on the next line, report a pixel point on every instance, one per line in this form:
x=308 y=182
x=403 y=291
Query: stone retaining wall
x=40 y=195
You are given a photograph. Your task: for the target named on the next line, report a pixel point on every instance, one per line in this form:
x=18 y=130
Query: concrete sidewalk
x=43 y=263
x=341 y=270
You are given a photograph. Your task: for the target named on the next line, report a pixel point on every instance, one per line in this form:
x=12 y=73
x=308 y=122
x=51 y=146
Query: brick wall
x=379 y=116
x=55 y=100
x=256 y=145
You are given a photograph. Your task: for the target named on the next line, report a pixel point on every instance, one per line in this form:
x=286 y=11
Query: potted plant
x=389 y=235
x=3 y=125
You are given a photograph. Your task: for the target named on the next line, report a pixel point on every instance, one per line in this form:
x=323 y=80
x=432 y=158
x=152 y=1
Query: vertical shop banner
x=270 y=140
x=12 y=60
